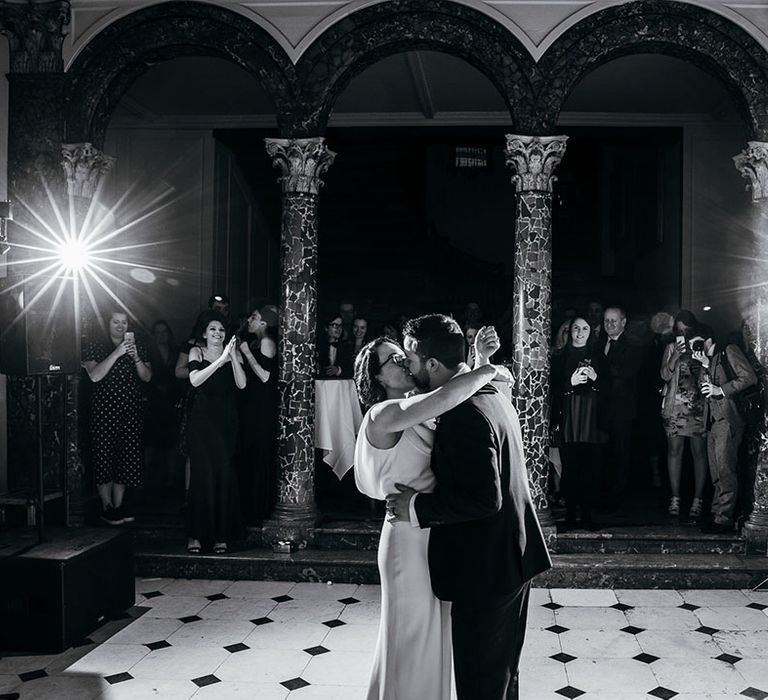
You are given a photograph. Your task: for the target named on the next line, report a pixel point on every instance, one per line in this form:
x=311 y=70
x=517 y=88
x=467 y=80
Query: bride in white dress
x=413 y=651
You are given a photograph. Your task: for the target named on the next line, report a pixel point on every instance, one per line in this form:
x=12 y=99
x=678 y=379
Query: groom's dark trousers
x=486 y=543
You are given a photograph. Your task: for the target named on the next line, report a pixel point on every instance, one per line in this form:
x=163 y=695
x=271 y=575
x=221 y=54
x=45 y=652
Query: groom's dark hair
x=437 y=336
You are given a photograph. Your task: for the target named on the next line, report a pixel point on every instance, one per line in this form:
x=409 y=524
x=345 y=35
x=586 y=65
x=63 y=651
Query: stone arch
x=686 y=31
x=119 y=54
x=361 y=39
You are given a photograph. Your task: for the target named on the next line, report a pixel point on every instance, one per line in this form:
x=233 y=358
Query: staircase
x=634 y=557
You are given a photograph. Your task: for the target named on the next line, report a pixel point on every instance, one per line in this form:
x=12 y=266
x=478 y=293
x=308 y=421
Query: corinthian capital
x=752 y=163
x=302 y=162
x=534 y=159
x=35 y=32
x=84 y=166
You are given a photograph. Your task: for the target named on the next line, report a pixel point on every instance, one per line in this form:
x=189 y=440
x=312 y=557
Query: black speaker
x=39 y=333
x=55 y=593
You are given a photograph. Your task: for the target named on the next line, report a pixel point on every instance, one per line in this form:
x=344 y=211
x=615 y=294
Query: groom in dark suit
x=485 y=545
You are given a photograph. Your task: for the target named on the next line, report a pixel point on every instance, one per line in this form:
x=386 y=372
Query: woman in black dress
x=119 y=368
x=259 y=416
x=577 y=372
x=215 y=372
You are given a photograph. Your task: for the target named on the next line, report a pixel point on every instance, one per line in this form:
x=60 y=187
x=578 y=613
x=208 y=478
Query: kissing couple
x=461 y=541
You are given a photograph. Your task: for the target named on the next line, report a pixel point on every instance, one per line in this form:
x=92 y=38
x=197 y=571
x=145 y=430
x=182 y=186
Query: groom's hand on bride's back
x=399 y=504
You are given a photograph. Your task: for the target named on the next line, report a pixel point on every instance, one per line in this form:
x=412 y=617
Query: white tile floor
x=272 y=640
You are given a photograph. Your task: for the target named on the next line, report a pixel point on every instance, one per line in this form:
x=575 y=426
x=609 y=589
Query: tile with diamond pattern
x=154 y=646
x=728 y=658
x=189 y=618
x=757 y=606
x=557 y=629
x=688 y=606
x=706 y=630
x=294 y=683
x=552 y=606
x=334 y=623
x=234 y=648
x=631 y=629
x=315 y=651
x=152 y=594
x=622 y=606
x=563 y=657
x=646 y=658
x=217 y=596
x=570 y=692
x=205 y=680
x=348 y=601
x=33 y=675
x=262 y=621
x=282 y=598
x=754 y=693
x=118 y=678
x=663 y=693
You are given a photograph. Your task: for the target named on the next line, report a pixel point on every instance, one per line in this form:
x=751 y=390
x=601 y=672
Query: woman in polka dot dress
x=215 y=370
x=119 y=368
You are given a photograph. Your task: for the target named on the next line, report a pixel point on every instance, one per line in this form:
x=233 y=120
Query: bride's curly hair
x=367 y=366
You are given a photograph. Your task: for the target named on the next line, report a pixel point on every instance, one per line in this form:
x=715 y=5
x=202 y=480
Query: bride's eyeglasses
x=396 y=357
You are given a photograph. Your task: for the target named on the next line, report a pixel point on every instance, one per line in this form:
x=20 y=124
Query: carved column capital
x=35 y=32
x=752 y=163
x=534 y=159
x=84 y=166
x=302 y=162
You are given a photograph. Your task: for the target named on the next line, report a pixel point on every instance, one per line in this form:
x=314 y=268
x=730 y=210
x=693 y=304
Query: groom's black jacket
x=485 y=539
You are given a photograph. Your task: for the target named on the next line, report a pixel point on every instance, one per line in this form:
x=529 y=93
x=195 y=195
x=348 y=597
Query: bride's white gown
x=413 y=650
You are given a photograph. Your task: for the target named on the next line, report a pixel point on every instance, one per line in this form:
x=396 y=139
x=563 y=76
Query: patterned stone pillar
x=302 y=162
x=752 y=163
x=534 y=158
x=85 y=169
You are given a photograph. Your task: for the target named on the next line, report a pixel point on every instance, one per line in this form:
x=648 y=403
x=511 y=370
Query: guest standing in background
x=360 y=335
x=216 y=372
x=119 y=368
x=333 y=356
x=162 y=416
x=682 y=411
x=258 y=434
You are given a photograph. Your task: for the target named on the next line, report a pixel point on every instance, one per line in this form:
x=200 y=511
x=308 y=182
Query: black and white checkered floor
x=271 y=640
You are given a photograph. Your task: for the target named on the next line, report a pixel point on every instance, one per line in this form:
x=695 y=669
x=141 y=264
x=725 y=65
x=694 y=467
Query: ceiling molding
x=370 y=119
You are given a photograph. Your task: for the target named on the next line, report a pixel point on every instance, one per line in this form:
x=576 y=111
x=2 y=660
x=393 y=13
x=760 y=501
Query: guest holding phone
x=682 y=410
x=118 y=367
x=577 y=376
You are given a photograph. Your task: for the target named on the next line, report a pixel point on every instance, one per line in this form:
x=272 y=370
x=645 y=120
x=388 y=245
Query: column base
x=291 y=527
x=548 y=528
x=756 y=536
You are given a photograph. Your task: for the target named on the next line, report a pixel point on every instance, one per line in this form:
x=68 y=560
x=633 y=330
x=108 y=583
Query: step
x=676 y=571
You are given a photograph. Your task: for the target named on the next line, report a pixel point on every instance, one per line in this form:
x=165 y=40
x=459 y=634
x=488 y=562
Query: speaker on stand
x=40 y=338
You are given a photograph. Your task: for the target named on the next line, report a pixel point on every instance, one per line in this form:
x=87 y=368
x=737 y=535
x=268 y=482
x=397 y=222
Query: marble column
x=85 y=169
x=533 y=159
x=752 y=163
x=37 y=91
x=302 y=162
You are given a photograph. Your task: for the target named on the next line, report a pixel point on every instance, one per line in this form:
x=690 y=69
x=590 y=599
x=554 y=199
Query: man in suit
x=486 y=544
x=619 y=401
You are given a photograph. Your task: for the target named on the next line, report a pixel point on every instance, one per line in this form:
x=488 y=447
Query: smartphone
x=587 y=362
x=680 y=340
x=129 y=337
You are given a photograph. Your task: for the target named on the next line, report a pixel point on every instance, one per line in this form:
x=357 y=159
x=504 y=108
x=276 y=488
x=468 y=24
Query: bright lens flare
x=74 y=255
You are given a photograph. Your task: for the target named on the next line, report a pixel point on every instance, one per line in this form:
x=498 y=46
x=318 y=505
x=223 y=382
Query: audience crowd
x=627 y=395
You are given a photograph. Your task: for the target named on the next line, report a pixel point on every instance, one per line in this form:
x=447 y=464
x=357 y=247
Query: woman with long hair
x=577 y=372
x=258 y=433
x=394 y=446
x=215 y=372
